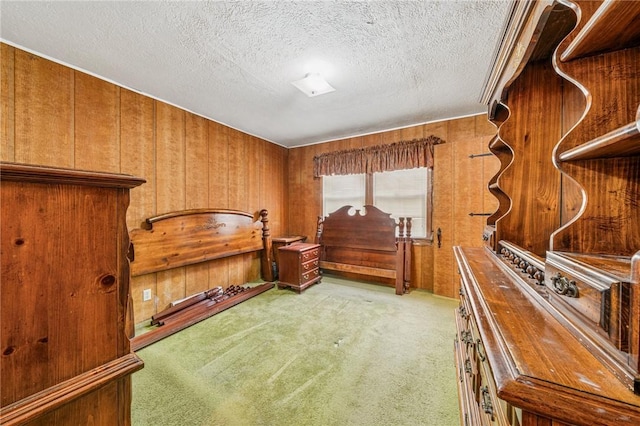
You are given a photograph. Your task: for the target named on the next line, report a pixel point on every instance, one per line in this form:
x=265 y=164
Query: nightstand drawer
x=310 y=276
x=299 y=266
x=312 y=264
x=310 y=254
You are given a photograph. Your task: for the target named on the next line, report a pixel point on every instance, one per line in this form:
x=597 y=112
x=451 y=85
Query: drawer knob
x=563 y=286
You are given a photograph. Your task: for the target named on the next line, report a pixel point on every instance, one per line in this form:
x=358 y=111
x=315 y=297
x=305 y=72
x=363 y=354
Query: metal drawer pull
x=564 y=286
x=463 y=312
x=466 y=337
x=480 y=349
x=467 y=366
x=486 y=404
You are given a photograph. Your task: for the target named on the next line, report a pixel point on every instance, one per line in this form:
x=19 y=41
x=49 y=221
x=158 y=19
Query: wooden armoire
x=548 y=327
x=64 y=295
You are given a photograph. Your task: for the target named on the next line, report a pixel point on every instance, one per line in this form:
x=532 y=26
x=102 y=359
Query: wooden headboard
x=186 y=237
x=365 y=243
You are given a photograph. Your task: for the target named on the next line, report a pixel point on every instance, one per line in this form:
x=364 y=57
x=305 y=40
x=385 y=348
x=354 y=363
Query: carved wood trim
x=62 y=393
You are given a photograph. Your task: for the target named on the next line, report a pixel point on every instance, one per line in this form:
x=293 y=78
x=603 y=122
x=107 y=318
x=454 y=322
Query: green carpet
x=340 y=353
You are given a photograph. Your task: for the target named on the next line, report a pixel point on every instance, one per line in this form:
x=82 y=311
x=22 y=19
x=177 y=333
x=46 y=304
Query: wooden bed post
x=407 y=257
x=400 y=258
x=267 y=255
x=319 y=230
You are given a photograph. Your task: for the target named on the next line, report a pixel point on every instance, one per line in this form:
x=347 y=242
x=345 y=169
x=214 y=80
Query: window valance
x=379 y=158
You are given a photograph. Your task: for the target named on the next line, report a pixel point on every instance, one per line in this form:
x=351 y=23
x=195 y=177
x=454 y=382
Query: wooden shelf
x=615 y=267
x=614 y=26
x=498 y=144
x=622 y=142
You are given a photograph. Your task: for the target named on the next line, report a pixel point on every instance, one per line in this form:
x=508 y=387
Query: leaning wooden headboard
x=192 y=236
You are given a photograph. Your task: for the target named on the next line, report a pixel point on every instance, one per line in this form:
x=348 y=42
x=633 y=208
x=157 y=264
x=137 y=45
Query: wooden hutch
x=548 y=328
x=64 y=297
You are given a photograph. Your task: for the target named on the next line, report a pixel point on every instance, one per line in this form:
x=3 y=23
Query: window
x=342 y=190
x=402 y=193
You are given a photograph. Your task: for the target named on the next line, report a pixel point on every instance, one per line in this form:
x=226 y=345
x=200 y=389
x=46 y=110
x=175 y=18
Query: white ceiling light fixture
x=313 y=85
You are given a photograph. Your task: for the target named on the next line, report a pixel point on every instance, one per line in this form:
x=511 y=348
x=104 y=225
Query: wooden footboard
x=357 y=269
x=365 y=243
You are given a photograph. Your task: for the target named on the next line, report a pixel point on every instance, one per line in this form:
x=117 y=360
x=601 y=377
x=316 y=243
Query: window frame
x=369 y=185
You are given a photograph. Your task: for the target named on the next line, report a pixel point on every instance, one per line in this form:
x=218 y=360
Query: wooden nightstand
x=299 y=266
x=281 y=242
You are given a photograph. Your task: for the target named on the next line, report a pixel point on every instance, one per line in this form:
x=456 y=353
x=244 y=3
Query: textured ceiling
x=392 y=63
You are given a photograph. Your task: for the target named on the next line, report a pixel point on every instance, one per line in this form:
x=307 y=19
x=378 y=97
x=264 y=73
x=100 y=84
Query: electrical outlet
x=146 y=294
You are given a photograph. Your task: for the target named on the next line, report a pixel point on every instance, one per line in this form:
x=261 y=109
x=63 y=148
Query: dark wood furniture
x=365 y=244
x=66 y=358
x=549 y=319
x=188 y=237
x=281 y=242
x=299 y=266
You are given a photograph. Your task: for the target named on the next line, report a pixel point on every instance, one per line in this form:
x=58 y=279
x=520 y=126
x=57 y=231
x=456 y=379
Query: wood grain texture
x=45 y=92
x=7 y=109
x=170 y=189
x=531 y=180
x=504 y=155
x=443 y=218
x=608 y=221
x=196 y=162
x=218 y=165
x=193 y=236
x=613 y=27
x=44 y=104
x=253 y=160
x=469 y=190
x=297 y=195
x=96 y=124
x=137 y=142
x=78 y=400
x=490 y=167
x=364 y=243
x=305 y=193
x=238 y=176
x=586 y=126
x=170 y=155
x=274 y=197
x=422 y=266
x=62 y=330
x=573 y=107
x=299 y=266
x=542 y=379
x=239 y=189
x=462 y=129
x=166 y=146
x=484 y=127
x=197 y=277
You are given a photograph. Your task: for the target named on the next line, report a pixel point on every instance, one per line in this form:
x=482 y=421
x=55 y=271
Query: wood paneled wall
x=459 y=189
x=53 y=115
x=56 y=116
